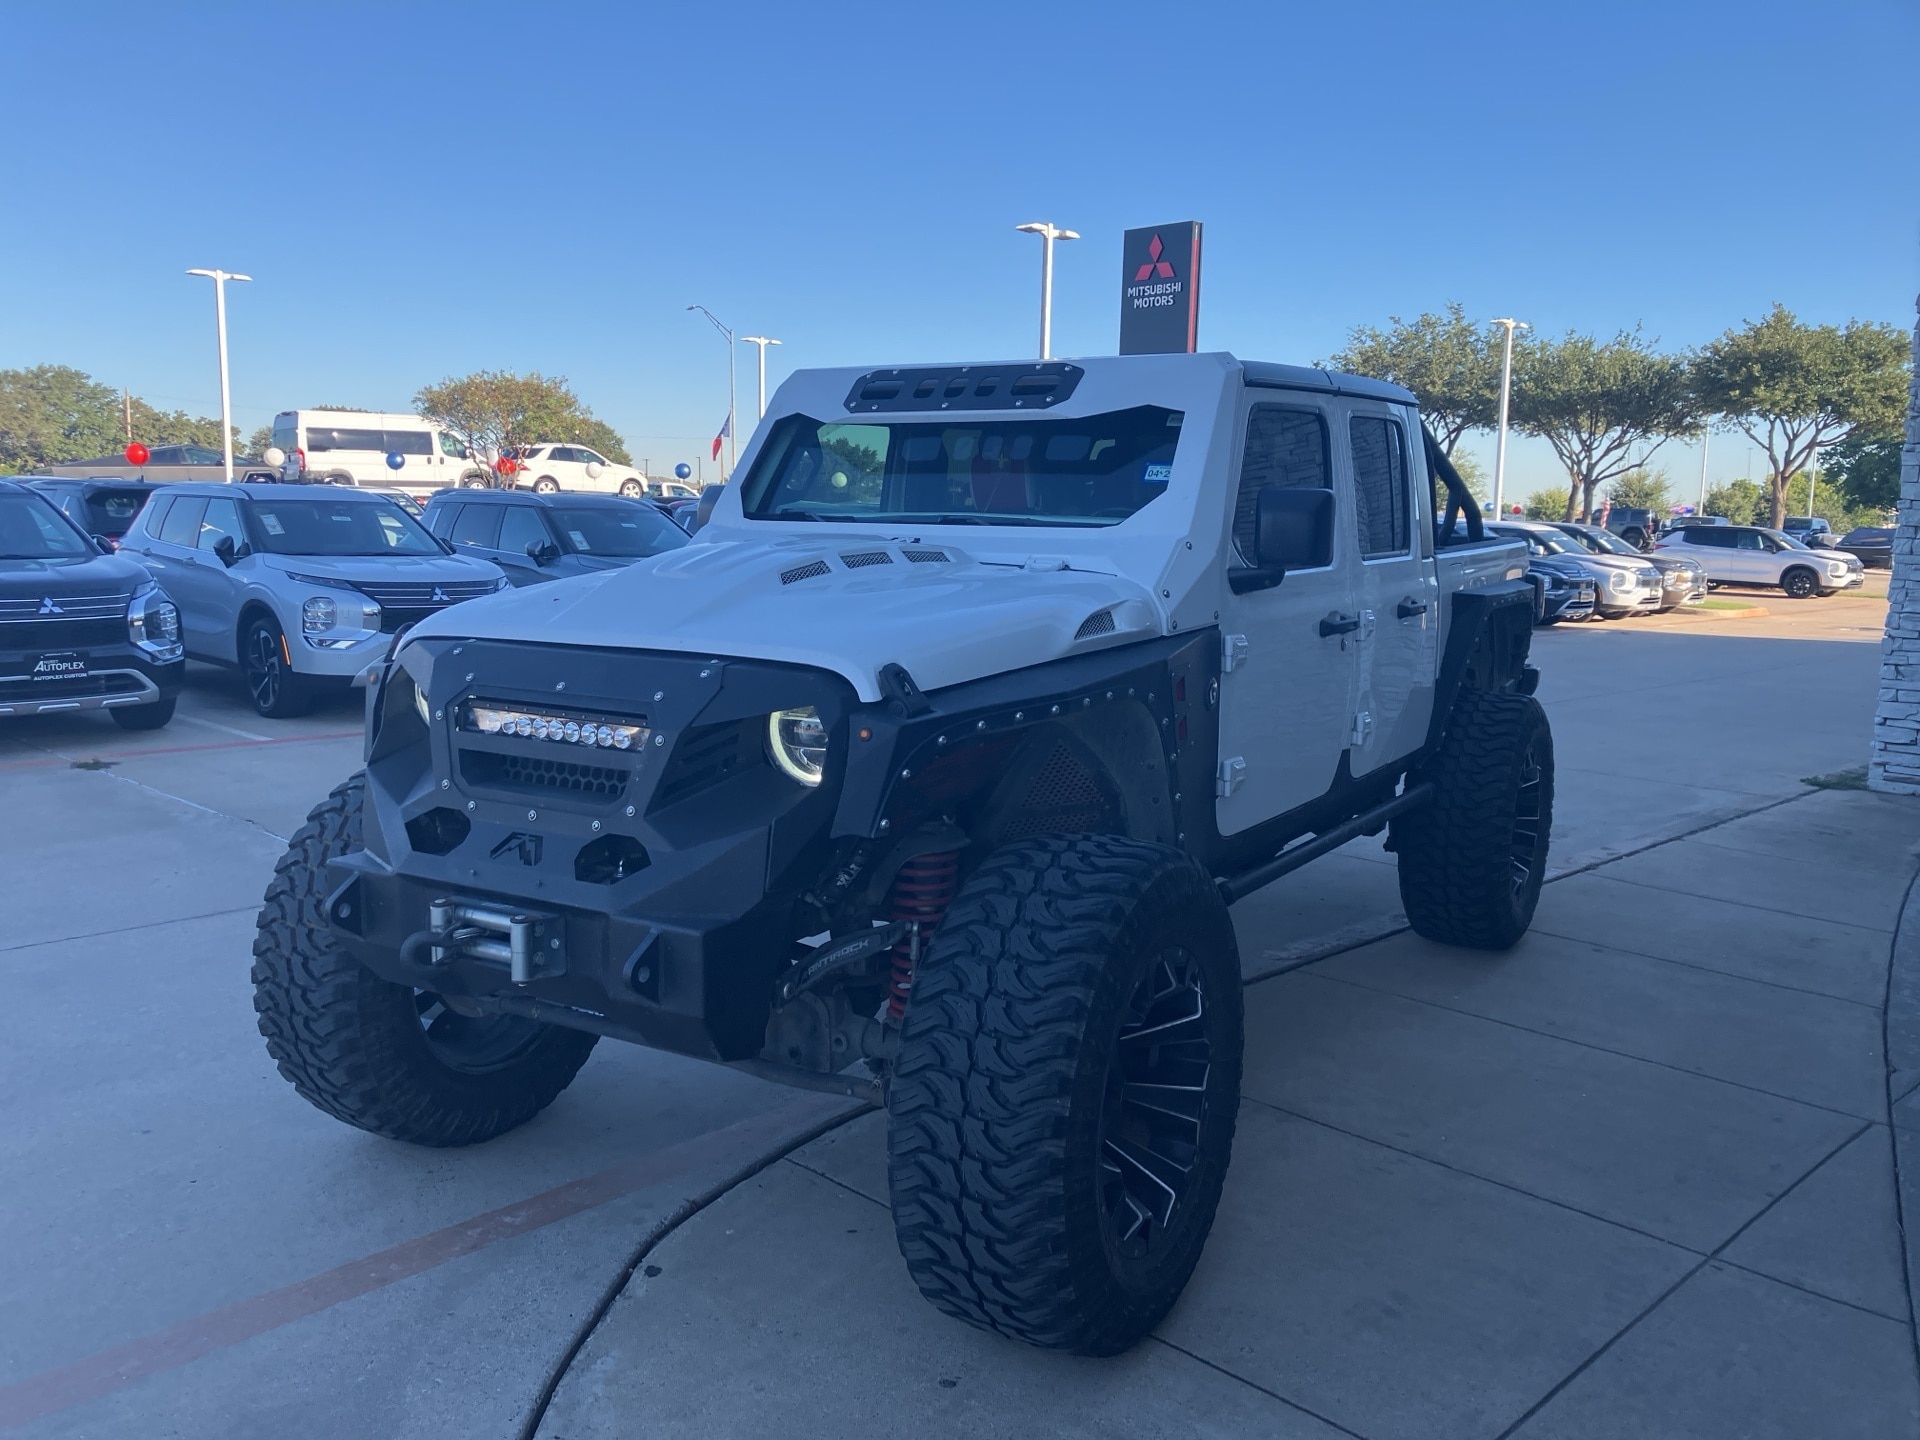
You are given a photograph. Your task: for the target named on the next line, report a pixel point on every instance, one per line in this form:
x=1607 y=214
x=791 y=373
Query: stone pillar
x=1895 y=765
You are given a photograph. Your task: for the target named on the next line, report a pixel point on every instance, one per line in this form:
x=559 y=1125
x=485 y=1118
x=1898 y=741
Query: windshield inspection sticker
x=1158 y=474
x=272 y=522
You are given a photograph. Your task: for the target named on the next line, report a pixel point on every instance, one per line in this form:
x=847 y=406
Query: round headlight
x=797 y=741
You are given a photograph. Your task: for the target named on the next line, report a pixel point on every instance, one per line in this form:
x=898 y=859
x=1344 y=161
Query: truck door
x=1399 y=589
x=1289 y=653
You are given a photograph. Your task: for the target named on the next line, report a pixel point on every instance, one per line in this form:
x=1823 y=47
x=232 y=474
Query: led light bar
x=566 y=727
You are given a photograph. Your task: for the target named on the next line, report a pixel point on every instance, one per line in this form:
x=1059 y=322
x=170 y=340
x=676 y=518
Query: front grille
x=63 y=634
x=114 y=682
x=537 y=775
x=70 y=607
x=425 y=597
x=393 y=617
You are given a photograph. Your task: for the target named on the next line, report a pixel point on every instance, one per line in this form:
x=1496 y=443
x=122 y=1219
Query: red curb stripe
x=55 y=1390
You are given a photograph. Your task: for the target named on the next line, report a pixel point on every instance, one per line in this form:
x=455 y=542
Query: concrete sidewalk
x=1634 y=1178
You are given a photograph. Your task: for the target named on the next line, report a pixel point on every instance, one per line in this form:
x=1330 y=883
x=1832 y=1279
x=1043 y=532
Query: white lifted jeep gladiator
x=928 y=771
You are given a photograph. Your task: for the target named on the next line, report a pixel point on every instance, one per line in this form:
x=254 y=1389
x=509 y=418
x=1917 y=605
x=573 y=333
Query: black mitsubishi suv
x=80 y=627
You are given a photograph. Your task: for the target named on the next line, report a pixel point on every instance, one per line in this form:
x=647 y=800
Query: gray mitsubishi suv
x=299 y=587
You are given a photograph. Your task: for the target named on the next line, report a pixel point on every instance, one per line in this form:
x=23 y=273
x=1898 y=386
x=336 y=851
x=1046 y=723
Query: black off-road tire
x=1472 y=861
x=1015 y=1141
x=355 y=1045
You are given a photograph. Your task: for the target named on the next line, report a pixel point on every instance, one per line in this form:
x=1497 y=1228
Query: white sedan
x=1749 y=555
x=548 y=468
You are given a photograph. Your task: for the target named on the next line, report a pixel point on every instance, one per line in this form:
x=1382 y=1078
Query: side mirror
x=226 y=550
x=1292 y=530
x=104 y=544
x=542 y=552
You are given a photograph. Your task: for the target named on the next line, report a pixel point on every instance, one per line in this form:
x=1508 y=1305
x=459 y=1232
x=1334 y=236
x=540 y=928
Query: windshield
x=628 y=533
x=31 y=529
x=1791 y=542
x=339 y=527
x=1552 y=542
x=1096 y=470
x=1602 y=542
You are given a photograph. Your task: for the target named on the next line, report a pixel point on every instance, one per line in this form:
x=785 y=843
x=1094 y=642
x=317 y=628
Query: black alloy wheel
x=1799 y=583
x=1155 y=1103
x=272 y=685
x=473 y=1044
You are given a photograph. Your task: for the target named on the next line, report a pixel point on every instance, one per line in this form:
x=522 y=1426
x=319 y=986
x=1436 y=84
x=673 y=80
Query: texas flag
x=726 y=430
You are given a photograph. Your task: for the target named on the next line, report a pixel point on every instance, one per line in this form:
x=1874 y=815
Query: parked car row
x=1751 y=555
x=108 y=586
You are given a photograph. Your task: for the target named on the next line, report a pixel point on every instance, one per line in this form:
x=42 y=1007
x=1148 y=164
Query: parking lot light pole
x=1706 y=444
x=1506 y=389
x=732 y=424
x=220 y=278
x=1048 y=233
x=762 y=341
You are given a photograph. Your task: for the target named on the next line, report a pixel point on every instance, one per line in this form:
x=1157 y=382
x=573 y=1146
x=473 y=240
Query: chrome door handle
x=1335 y=623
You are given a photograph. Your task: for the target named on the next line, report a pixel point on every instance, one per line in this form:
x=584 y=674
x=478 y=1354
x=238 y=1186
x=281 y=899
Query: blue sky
x=420 y=191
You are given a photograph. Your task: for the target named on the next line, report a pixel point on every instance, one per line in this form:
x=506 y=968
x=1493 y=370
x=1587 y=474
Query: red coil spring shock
x=921 y=891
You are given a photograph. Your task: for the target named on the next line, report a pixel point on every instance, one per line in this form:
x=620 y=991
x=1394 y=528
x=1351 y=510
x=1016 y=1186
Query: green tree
x=1548 y=504
x=1449 y=362
x=496 y=409
x=1597 y=403
x=1866 y=470
x=1741 y=501
x=1642 y=489
x=55 y=413
x=1796 y=389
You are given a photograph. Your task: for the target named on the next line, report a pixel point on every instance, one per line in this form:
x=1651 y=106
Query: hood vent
x=927 y=557
x=809 y=571
x=1098 y=623
x=859 y=558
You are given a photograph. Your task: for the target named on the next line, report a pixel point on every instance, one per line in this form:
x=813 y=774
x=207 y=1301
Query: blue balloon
x=683 y=470
x=395 y=460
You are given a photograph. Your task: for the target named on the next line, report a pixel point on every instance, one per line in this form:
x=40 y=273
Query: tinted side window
x=477 y=525
x=407 y=442
x=222 y=518
x=1379 y=486
x=182 y=526
x=156 y=515
x=1285 y=446
x=521 y=527
x=329 y=439
x=1713 y=538
x=440 y=518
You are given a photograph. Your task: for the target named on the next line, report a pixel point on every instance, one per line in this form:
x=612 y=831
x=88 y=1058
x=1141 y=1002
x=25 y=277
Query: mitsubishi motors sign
x=1160 y=290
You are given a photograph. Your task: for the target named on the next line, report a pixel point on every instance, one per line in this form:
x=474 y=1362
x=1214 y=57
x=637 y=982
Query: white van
x=350 y=447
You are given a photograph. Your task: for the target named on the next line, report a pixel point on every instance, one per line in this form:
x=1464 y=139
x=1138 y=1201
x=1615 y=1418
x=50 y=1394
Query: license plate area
x=60 y=665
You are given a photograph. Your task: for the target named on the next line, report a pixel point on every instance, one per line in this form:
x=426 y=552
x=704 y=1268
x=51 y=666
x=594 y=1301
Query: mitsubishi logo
x=47 y=607
x=1155 y=268
x=440 y=595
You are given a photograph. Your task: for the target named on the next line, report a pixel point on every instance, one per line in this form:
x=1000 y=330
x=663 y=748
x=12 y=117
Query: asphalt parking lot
x=196 y=1251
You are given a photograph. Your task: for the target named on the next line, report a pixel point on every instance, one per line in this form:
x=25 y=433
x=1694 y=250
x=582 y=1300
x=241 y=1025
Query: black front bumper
x=665 y=877
x=40 y=679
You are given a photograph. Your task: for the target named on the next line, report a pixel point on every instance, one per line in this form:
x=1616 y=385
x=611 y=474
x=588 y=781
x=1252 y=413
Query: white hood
x=801 y=601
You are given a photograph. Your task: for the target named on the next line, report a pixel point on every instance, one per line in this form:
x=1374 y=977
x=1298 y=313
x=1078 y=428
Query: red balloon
x=138 y=454
x=507 y=465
